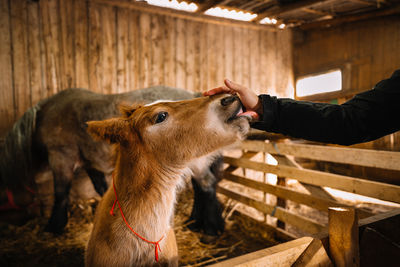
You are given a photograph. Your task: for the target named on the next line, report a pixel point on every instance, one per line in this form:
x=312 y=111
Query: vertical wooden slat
x=181 y=53
x=246 y=57
x=123 y=50
x=95 y=46
x=219 y=56
x=170 y=51
x=204 y=57
x=67 y=36
x=190 y=56
x=237 y=55
x=34 y=56
x=228 y=52
x=212 y=55
x=6 y=82
x=197 y=57
x=254 y=68
x=108 y=49
x=81 y=44
x=22 y=90
x=144 y=51
x=49 y=18
x=157 y=48
x=133 y=51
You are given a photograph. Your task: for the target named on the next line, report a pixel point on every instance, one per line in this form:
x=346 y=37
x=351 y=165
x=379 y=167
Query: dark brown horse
x=52 y=135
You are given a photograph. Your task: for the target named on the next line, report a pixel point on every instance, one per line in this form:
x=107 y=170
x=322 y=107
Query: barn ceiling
x=305 y=13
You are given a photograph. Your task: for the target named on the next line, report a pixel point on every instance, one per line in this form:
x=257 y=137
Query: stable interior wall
x=366 y=51
x=115 y=46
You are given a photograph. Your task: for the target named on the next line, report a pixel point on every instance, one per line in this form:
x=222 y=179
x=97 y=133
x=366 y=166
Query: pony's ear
x=111 y=130
x=127 y=110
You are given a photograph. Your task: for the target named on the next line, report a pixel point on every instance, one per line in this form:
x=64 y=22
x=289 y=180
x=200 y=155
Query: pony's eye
x=161 y=117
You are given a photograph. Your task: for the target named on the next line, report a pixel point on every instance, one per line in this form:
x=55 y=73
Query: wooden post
x=343 y=237
x=281 y=202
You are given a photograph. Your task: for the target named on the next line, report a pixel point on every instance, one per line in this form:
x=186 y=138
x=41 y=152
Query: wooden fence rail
x=361 y=157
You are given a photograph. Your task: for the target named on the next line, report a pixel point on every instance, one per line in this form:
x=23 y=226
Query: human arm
x=367 y=116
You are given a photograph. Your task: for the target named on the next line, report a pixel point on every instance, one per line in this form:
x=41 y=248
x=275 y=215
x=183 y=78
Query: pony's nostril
x=228 y=100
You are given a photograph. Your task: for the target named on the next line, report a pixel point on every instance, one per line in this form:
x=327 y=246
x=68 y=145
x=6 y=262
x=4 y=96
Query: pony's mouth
x=240 y=113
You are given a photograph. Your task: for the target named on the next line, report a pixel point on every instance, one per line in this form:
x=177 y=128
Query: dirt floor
x=29 y=245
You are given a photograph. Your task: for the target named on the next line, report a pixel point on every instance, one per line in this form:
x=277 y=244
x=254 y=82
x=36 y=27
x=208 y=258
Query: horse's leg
x=98 y=180
x=207 y=211
x=62 y=166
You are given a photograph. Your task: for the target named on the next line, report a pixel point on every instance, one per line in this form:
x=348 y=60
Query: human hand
x=249 y=99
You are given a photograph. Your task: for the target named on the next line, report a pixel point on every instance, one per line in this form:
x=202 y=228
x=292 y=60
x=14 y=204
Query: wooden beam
x=207 y=5
x=343 y=237
x=355 y=156
x=317 y=12
x=289 y=194
x=363 y=187
x=298 y=221
x=312 y=189
x=314 y=255
x=183 y=14
x=275 y=12
x=274 y=256
x=367 y=3
x=351 y=18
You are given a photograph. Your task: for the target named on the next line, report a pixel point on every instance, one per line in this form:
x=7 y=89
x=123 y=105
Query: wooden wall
x=367 y=52
x=51 y=45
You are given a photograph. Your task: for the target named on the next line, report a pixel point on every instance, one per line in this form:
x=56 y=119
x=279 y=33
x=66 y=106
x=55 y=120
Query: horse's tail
x=16 y=151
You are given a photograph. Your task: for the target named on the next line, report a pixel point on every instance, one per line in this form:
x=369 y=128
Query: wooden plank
x=286 y=193
x=190 y=55
x=212 y=56
x=254 y=61
x=50 y=19
x=343 y=237
x=314 y=255
x=180 y=53
x=298 y=221
x=22 y=90
x=170 y=52
x=204 y=57
x=237 y=55
x=207 y=4
x=228 y=52
x=312 y=189
x=157 y=51
x=280 y=10
x=34 y=53
x=358 y=186
x=123 y=50
x=108 y=50
x=351 y=18
x=7 y=114
x=133 y=50
x=362 y=157
x=67 y=36
x=196 y=58
x=95 y=46
x=81 y=44
x=281 y=255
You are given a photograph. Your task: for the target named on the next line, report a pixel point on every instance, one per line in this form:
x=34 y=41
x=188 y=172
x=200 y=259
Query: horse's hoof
x=209 y=239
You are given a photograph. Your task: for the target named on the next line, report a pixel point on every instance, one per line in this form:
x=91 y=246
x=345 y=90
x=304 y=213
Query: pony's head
x=176 y=132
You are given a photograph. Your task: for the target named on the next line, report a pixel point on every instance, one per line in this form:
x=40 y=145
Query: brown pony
x=153 y=147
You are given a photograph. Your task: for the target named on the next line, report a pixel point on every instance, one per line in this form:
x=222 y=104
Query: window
x=329 y=81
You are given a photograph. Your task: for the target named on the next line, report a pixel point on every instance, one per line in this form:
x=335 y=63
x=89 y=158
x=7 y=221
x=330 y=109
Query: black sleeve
x=367 y=116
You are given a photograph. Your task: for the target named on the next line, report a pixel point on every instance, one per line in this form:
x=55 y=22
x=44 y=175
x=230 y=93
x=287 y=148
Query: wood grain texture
x=7 y=111
x=51 y=45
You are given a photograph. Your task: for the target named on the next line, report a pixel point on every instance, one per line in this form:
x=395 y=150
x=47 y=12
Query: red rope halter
x=156 y=244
